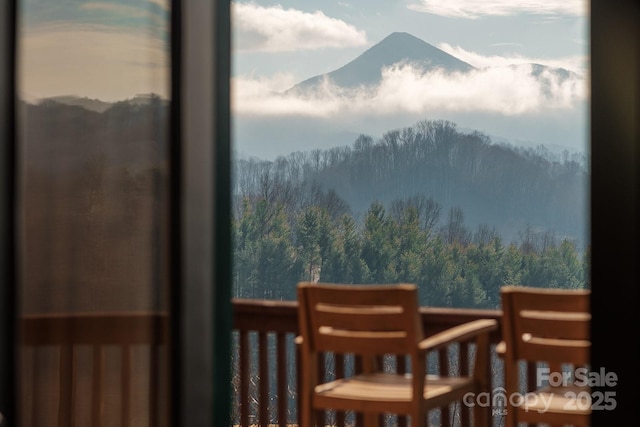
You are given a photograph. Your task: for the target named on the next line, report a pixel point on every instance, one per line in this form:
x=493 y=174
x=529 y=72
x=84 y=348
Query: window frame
x=201 y=211
x=615 y=145
x=8 y=187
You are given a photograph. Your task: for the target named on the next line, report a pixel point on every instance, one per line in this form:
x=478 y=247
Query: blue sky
x=280 y=43
x=335 y=31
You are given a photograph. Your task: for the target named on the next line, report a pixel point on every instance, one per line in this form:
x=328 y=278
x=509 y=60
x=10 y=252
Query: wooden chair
x=545 y=327
x=370 y=321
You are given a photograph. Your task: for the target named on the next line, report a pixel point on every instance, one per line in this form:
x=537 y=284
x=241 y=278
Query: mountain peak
x=401 y=37
x=397 y=47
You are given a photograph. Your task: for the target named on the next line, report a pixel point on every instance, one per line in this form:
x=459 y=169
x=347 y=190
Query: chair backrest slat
x=575 y=352
x=361 y=319
x=570 y=326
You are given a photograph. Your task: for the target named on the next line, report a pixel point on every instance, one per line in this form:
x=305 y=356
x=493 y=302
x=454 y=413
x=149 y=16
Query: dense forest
x=432 y=205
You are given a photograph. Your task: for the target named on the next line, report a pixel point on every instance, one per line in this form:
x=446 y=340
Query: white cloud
x=472 y=9
x=577 y=63
x=511 y=90
x=274 y=29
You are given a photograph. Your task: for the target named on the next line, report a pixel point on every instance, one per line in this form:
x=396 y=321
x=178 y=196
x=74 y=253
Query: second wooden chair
x=548 y=330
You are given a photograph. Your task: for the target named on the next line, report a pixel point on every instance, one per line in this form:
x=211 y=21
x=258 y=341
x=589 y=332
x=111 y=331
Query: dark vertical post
x=615 y=151
x=8 y=293
x=175 y=222
x=222 y=260
x=200 y=211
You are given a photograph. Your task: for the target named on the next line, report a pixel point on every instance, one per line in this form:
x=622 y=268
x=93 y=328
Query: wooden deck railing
x=265 y=368
x=94 y=369
x=266 y=373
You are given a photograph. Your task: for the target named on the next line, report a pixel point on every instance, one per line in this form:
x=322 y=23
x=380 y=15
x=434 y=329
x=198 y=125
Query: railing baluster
x=443 y=369
x=96 y=386
x=30 y=411
x=281 y=361
x=244 y=371
x=154 y=383
x=125 y=386
x=380 y=362
x=401 y=368
x=357 y=368
x=67 y=386
x=531 y=379
x=465 y=419
x=339 y=364
x=263 y=375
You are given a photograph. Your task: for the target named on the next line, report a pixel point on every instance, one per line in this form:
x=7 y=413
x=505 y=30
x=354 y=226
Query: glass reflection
x=93 y=86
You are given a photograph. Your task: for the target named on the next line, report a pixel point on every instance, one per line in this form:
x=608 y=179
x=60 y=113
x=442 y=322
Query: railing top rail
x=116 y=328
x=282 y=317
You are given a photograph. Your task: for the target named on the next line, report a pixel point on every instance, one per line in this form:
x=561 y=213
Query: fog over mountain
x=399 y=81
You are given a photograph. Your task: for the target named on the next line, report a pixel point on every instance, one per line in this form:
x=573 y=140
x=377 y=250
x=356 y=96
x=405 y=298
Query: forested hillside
x=428 y=204
x=504 y=187
x=433 y=205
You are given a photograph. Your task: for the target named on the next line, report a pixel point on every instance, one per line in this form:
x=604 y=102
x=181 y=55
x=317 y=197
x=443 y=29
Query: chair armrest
x=501 y=348
x=298 y=340
x=459 y=333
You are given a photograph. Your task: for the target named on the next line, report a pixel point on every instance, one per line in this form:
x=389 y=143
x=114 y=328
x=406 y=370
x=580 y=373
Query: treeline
x=408 y=241
x=505 y=186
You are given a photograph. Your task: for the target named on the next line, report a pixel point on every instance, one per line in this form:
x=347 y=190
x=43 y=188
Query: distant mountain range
x=400 y=49
x=98 y=105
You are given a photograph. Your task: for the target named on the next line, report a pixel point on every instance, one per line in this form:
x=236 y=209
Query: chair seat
x=364 y=391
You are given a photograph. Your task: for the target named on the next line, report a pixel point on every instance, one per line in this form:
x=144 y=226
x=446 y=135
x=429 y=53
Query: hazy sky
x=280 y=43
x=111 y=50
x=114 y=49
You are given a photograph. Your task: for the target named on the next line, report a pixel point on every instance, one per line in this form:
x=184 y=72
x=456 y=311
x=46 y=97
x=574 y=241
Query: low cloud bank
x=508 y=90
x=577 y=63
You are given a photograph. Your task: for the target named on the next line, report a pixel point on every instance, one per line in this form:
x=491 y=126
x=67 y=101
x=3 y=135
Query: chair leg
x=481 y=416
x=308 y=417
x=421 y=419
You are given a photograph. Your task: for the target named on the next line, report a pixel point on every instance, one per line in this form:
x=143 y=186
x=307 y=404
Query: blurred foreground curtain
x=93 y=213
